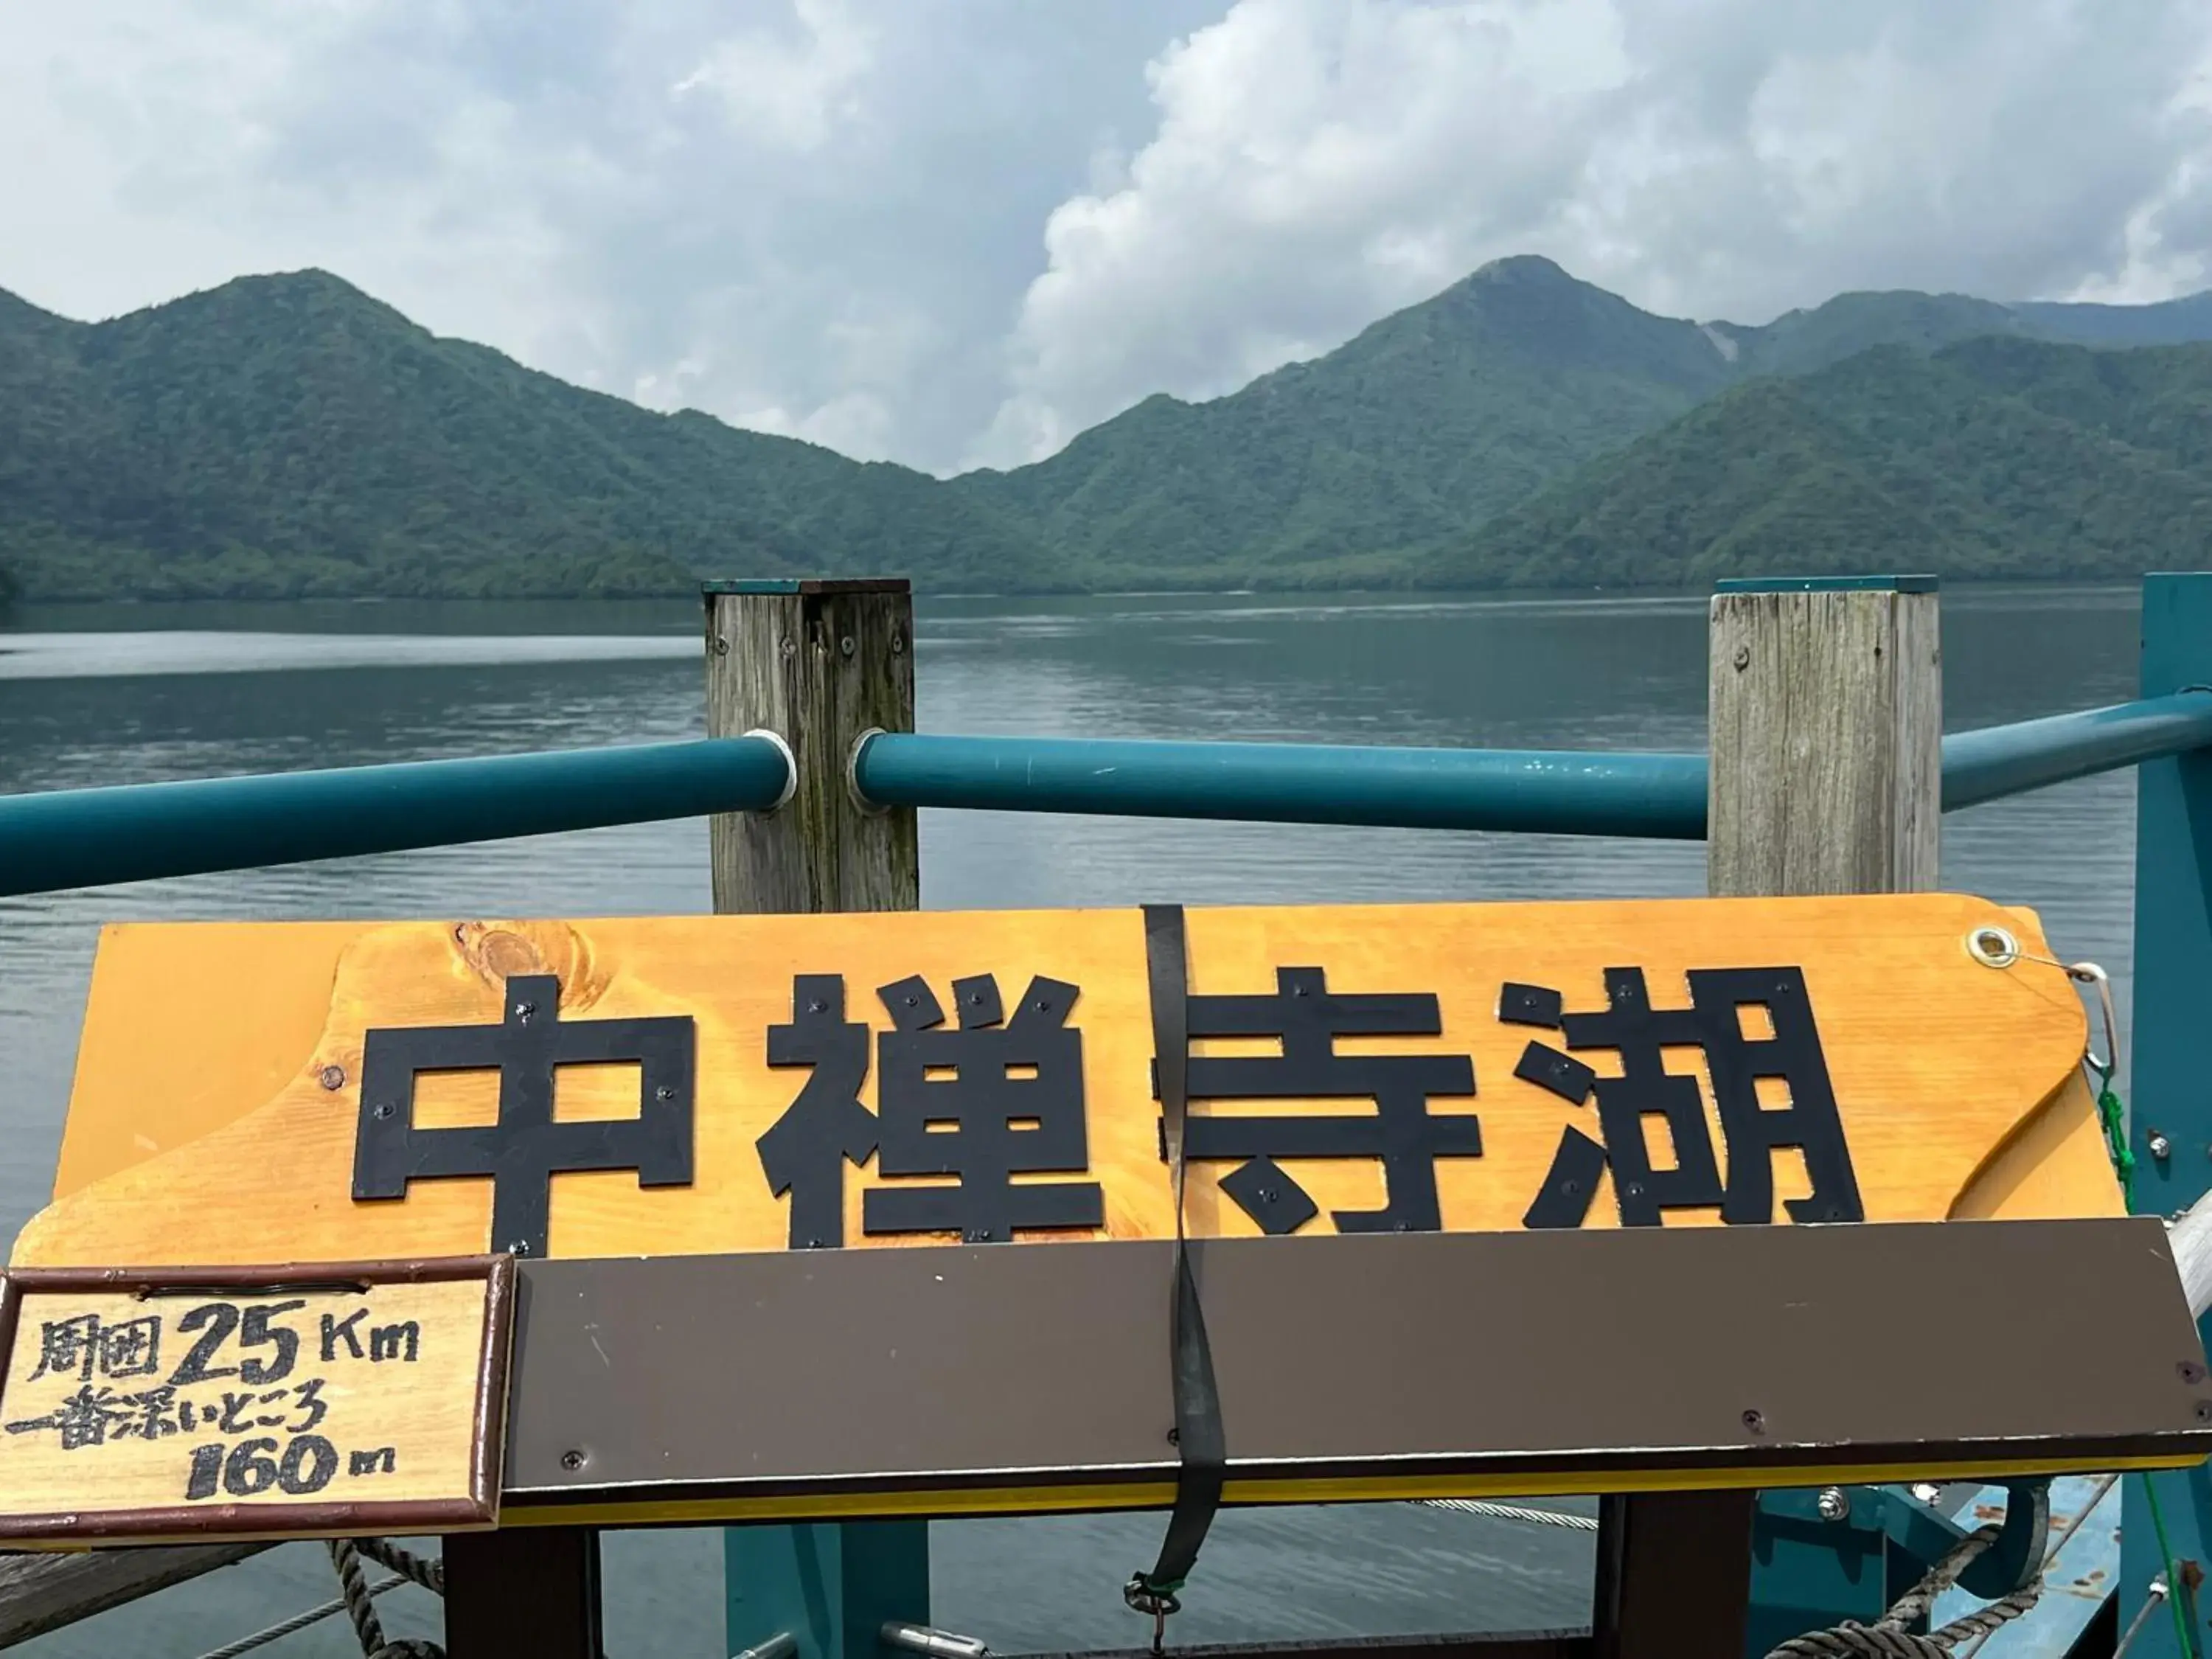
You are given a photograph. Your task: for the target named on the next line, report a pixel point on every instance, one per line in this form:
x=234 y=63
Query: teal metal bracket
x=829 y=1586
x=2169 y=1109
x=1821 y=1555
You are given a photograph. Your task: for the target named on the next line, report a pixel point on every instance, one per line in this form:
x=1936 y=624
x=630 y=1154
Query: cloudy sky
x=954 y=233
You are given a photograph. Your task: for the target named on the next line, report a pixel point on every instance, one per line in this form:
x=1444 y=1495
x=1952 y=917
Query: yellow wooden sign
x=706 y=1084
x=270 y=1402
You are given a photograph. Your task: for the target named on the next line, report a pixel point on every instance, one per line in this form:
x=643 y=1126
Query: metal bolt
x=1742 y=658
x=845 y=647
x=1755 y=1420
x=524 y=1010
x=572 y=1460
x=663 y=1092
x=332 y=1076
x=898 y=645
x=520 y=1247
x=2160 y=1147
x=383 y=1112
x=1833 y=1504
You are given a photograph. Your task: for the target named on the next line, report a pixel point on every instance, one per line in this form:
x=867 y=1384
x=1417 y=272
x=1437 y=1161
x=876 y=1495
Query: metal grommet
x=1993 y=947
x=868 y=808
x=790 y=766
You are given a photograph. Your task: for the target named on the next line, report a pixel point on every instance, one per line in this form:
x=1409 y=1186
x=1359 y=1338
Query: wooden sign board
x=279 y=1402
x=708 y=1085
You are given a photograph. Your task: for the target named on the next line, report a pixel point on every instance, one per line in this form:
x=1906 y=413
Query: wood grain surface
x=217 y=1093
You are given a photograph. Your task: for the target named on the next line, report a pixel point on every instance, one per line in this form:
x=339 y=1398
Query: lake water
x=114 y=695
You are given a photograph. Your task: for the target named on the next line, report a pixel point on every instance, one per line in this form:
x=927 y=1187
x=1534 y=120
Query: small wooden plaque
x=155 y=1405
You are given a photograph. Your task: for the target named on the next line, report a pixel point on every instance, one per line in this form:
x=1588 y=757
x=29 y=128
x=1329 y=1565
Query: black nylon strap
x=1199 y=1437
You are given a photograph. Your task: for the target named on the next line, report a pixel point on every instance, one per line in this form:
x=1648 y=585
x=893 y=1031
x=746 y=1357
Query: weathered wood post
x=1826 y=715
x=1827 y=712
x=819 y=664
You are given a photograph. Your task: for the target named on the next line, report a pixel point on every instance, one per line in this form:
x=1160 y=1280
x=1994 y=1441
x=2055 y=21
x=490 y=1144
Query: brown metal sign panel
x=289 y=1401
x=703 y=1085
x=973 y=1380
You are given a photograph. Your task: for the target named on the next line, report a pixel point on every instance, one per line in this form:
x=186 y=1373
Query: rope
x=361 y=1607
x=356 y=1600
x=1510 y=1512
x=262 y=1638
x=1887 y=1637
x=426 y=1570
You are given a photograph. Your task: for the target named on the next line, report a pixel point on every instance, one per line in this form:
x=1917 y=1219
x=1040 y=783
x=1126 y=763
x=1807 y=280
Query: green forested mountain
x=1430 y=420
x=1998 y=456
x=290 y=436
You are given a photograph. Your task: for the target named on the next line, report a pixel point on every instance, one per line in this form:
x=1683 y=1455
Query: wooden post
x=1827 y=720
x=819 y=664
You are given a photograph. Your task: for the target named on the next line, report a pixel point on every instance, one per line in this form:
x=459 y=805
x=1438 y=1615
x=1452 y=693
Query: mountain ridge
x=290 y=435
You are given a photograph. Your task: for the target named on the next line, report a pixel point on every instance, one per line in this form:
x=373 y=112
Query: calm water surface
x=114 y=695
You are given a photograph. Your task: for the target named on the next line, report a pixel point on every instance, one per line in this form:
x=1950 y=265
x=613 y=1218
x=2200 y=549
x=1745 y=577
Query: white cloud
x=1318 y=163
x=943 y=229
x=789 y=93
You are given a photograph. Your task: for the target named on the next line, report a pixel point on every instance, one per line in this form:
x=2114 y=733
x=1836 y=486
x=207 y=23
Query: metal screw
x=845 y=646
x=1833 y=1504
x=1742 y=658
x=663 y=1092
x=572 y=1460
x=721 y=646
x=2191 y=1371
x=520 y=1247
x=382 y=1112
x=332 y=1076
x=1755 y=1420
x=2160 y=1147
x=898 y=645
x=524 y=1010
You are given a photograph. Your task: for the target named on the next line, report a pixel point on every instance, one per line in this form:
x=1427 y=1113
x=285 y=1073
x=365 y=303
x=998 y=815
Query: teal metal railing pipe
x=92 y=838
x=2011 y=760
x=1569 y=793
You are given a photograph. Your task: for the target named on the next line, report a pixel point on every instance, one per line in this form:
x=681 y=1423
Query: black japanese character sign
x=85 y=1346
x=209 y=1394
x=982 y=1102
x=826 y=1128
x=1752 y=1133
x=525 y=1147
x=1401 y=1133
